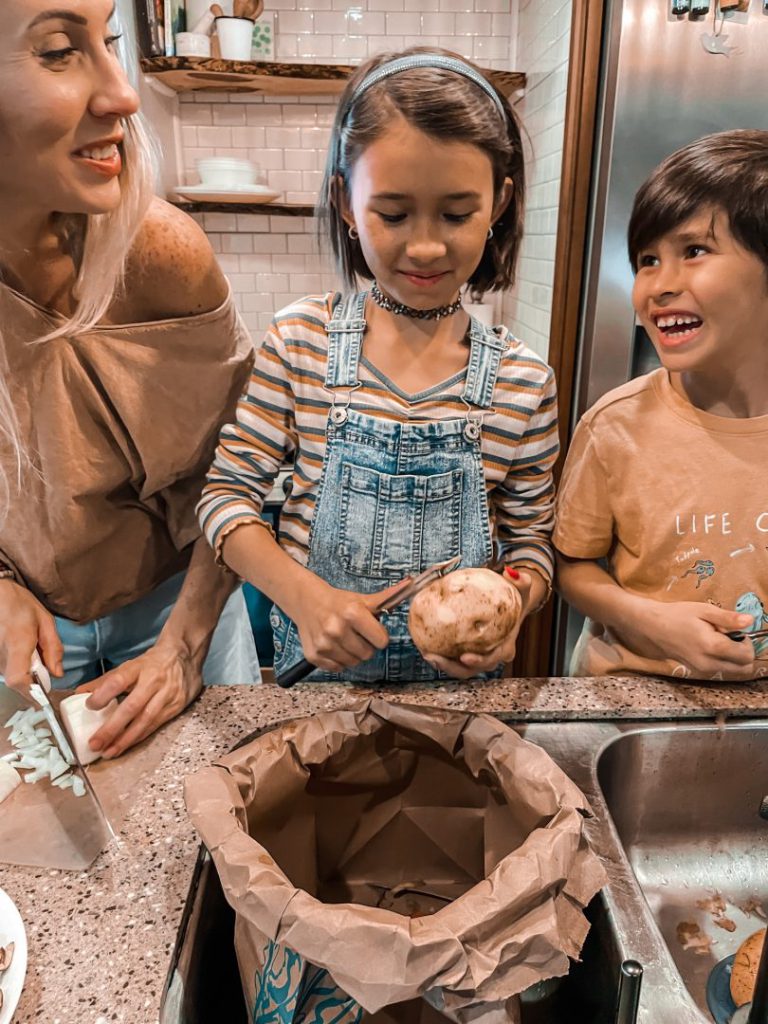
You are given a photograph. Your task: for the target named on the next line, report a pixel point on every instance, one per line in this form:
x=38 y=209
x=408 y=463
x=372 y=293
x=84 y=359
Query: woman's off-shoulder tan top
x=121 y=423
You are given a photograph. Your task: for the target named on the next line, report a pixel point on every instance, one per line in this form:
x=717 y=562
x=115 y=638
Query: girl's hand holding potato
x=467 y=623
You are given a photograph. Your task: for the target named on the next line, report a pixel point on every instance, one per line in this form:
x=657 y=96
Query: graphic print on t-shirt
x=717 y=563
x=750 y=604
x=702 y=568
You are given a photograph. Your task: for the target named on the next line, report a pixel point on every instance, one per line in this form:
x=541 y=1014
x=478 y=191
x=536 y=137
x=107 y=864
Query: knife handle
x=38 y=668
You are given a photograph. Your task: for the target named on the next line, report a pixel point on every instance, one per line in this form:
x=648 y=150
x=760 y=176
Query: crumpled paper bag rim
x=462 y=949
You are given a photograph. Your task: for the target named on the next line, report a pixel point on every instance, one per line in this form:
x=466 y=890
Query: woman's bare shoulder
x=172 y=270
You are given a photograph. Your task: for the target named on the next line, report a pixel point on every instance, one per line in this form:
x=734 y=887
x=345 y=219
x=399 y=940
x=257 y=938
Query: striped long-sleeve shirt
x=284 y=411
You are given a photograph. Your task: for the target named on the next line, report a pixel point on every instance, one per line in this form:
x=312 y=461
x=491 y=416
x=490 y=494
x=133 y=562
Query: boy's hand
x=693 y=634
x=337 y=628
x=471 y=665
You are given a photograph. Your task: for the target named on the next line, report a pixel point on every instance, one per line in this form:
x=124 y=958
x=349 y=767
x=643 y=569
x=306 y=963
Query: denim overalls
x=394 y=497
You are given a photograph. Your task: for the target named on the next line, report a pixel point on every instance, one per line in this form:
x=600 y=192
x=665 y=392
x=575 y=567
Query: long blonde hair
x=100 y=244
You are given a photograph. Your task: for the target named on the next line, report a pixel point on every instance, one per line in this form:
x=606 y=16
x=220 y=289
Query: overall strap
x=486 y=349
x=345 y=338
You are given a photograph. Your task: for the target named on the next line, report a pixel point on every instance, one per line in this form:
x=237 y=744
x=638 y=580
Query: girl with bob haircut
x=418 y=433
x=120 y=354
x=662 y=513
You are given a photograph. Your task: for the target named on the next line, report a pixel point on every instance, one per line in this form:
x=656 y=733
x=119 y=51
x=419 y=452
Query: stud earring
x=353 y=233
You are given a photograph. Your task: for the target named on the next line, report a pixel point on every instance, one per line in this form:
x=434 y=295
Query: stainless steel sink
x=684 y=801
x=676 y=824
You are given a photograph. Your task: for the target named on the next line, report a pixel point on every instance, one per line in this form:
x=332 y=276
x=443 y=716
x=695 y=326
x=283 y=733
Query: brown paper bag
x=320 y=826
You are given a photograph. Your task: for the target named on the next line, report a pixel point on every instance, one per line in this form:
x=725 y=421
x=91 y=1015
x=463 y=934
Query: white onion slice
x=36 y=754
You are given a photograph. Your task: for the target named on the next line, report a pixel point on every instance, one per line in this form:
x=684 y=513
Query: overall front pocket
x=393 y=525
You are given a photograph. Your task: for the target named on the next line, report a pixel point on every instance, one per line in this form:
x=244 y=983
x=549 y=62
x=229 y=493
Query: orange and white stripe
x=283 y=415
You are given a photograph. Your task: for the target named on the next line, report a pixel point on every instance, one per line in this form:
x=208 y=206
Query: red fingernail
x=512 y=573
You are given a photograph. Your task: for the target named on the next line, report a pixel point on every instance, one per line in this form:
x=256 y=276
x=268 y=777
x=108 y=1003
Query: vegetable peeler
x=738 y=635
x=410 y=587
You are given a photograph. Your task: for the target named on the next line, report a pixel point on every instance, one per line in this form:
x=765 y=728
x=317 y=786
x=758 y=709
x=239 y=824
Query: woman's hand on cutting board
x=159 y=684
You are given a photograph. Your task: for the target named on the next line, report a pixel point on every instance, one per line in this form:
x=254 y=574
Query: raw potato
x=745 y=968
x=9 y=780
x=469 y=611
x=82 y=723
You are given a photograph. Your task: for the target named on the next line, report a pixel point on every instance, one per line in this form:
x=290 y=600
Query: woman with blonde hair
x=120 y=355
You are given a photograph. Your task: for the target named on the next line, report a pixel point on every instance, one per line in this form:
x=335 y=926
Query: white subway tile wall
x=543 y=40
x=272 y=260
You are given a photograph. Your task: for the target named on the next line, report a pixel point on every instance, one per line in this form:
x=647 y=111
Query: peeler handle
x=294 y=674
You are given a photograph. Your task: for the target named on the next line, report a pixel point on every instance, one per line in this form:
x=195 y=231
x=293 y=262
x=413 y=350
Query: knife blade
x=39 y=693
x=410 y=587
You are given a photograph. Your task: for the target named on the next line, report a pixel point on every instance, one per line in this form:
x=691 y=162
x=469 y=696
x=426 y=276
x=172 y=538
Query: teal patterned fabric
x=291 y=991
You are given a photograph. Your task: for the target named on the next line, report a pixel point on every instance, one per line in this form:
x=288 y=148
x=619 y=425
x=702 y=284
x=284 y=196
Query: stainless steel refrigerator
x=665 y=80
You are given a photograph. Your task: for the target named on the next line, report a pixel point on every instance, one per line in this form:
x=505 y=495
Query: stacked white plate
x=238 y=194
x=12 y=980
x=225 y=179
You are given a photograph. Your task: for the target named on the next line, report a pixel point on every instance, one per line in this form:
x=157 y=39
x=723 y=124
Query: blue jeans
x=95 y=647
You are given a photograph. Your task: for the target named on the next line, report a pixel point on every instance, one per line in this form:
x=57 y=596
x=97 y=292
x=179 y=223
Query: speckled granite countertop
x=100 y=941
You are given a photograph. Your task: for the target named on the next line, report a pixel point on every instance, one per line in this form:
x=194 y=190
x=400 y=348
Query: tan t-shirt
x=122 y=422
x=676 y=501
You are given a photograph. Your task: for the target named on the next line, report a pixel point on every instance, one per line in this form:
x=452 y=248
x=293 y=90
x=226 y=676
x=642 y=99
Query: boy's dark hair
x=726 y=171
x=446 y=106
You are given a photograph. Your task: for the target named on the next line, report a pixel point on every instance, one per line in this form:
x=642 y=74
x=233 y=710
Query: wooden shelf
x=263 y=209
x=194 y=74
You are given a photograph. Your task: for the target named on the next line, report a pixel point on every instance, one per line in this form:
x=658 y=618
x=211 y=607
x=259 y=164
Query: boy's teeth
x=676 y=321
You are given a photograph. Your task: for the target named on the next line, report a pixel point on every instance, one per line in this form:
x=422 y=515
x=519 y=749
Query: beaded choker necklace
x=416 y=314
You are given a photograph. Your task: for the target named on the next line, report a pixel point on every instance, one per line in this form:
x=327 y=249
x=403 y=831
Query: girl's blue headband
x=425 y=60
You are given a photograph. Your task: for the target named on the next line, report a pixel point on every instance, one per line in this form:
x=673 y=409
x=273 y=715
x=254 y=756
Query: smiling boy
x=662 y=516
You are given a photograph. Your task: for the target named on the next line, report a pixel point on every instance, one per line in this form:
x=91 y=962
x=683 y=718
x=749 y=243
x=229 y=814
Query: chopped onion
x=36 y=754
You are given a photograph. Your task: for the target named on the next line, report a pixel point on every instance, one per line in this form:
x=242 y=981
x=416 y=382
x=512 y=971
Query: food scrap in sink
x=690 y=936
x=752 y=907
x=714 y=904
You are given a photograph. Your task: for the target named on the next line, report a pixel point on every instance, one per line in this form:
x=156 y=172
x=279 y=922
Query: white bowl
x=192 y=44
x=226 y=172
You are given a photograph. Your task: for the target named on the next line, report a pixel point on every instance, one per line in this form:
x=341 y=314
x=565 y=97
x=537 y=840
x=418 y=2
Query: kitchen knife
x=39 y=693
x=411 y=587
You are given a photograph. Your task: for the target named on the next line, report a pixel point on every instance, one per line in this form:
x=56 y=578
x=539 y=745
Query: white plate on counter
x=245 y=195
x=12 y=980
